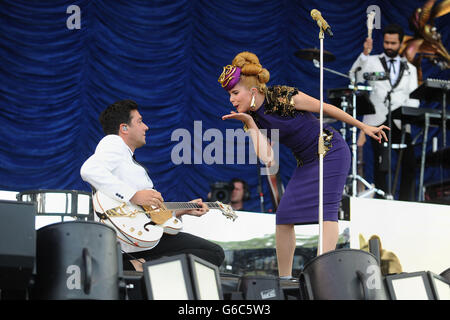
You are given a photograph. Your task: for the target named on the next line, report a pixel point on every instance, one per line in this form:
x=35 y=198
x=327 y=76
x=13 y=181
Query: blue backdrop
x=167 y=56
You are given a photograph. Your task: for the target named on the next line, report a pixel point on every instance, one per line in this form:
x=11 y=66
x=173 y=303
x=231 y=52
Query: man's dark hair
x=394 y=29
x=115 y=114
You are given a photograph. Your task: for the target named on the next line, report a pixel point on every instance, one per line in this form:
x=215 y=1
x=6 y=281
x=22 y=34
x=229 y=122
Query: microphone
x=353 y=74
x=317 y=16
x=357 y=70
x=374 y=76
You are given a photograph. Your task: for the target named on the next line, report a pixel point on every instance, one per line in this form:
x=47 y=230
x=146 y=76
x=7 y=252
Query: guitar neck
x=370 y=19
x=176 y=206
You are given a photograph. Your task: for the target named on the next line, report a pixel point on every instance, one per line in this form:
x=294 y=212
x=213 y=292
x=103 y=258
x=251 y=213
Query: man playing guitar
x=113 y=171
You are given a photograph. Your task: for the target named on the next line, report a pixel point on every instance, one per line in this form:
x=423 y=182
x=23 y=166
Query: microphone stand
x=321 y=148
x=260 y=192
x=389 y=194
x=317 y=65
x=354 y=146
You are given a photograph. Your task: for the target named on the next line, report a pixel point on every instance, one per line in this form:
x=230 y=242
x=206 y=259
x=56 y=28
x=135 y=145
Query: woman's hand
x=244 y=117
x=261 y=144
x=376 y=132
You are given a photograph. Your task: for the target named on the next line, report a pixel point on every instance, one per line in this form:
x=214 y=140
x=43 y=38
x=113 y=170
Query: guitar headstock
x=227 y=210
x=370 y=19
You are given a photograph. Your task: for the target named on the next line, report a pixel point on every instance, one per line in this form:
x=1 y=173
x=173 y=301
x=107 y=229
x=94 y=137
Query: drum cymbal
x=311 y=54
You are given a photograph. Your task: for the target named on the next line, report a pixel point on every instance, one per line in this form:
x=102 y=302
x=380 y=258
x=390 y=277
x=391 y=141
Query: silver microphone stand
x=321 y=148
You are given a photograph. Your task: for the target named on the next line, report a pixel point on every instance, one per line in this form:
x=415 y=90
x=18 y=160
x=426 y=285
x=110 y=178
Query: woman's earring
x=252 y=104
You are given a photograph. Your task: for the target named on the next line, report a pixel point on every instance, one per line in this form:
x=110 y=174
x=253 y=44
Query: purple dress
x=299 y=131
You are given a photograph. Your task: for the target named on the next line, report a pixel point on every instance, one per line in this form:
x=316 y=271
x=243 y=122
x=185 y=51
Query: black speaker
x=446 y=274
x=17 y=244
x=261 y=288
x=230 y=283
x=77 y=260
x=343 y=274
x=134 y=286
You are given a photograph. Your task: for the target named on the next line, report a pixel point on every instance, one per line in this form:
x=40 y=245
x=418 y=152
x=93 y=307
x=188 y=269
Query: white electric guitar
x=143 y=226
x=370 y=19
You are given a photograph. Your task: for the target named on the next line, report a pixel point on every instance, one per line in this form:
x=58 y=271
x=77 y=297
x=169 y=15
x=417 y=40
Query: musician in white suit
x=114 y=171
x=402 y=81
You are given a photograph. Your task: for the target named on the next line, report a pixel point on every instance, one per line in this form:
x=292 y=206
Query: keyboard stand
x=428 y=117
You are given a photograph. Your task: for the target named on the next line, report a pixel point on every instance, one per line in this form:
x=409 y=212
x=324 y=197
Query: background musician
x=402 y=81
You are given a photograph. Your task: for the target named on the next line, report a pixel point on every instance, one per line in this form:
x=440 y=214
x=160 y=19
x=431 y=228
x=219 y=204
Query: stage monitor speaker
x=134 y=286
x=230 y=283
x=343 y=274
x=261 y=287
x=77 y=260
x=17 y=244
x=409 y=286
x=446 y=274
x=206 y=279
x=440 y=286
x=182 y=277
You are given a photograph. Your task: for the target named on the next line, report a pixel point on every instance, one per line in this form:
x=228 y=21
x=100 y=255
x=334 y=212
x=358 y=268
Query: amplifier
x=17 y=243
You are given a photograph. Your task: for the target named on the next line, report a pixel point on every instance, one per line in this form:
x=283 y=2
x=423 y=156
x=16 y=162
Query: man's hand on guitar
x=147 y=198
x=195 y=212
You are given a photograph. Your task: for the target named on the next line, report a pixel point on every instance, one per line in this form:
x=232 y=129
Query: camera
x=221 y=191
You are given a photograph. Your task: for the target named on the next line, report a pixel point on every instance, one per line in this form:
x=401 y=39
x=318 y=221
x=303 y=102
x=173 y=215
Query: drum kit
x=354 y=100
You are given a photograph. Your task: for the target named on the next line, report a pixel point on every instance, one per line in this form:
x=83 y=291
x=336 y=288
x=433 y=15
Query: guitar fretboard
x=189 y=205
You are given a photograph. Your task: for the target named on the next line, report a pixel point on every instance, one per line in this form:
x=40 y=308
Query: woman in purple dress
x=290 y=111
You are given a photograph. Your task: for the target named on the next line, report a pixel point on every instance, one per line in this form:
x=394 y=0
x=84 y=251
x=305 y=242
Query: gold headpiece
x=229 y=77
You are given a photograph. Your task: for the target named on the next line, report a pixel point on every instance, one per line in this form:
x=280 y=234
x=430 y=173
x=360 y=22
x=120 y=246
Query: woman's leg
x=330 y=236
x=285 y=245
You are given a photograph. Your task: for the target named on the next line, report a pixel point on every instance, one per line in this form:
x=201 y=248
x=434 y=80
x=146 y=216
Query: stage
x=413 y=234
x=416 y=232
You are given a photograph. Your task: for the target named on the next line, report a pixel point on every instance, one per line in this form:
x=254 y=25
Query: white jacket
x=406 y=83
x=113 y=171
